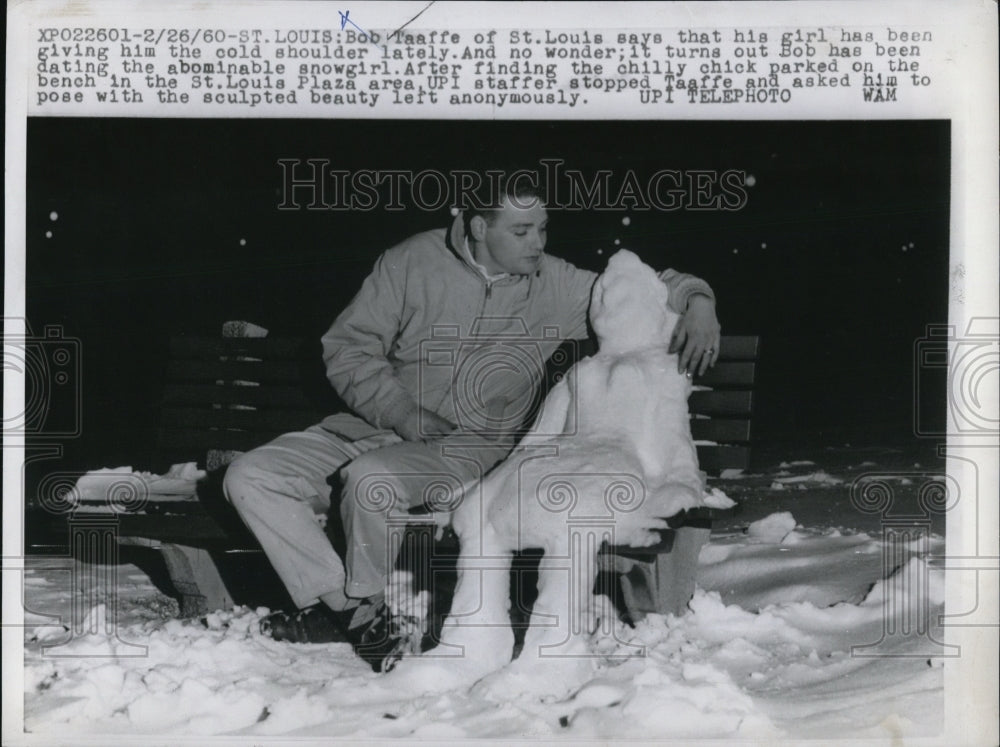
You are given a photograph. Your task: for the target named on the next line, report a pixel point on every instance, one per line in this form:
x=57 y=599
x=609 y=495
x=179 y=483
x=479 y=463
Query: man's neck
x=470 y=248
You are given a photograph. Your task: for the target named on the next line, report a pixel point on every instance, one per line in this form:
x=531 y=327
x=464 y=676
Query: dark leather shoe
x=316 y=624
x=387 y=639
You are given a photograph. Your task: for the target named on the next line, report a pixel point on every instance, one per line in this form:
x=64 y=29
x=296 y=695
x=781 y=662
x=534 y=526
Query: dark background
x=151 y=214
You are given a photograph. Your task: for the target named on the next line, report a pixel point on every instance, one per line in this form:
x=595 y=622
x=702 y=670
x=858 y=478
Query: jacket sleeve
x=682 y=286
x=357 y=345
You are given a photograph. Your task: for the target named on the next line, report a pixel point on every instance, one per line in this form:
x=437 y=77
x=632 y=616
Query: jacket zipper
x=482 y=308
x=486 y=297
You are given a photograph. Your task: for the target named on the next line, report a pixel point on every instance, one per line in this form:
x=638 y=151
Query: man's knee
x=256 y=473
x=371 y=485
x=242 y=472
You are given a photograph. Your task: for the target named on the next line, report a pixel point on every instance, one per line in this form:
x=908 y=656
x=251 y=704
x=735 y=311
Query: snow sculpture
x=609 y=456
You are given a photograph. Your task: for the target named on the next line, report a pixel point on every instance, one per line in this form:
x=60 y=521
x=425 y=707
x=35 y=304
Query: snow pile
x=122 y=489
x=802 y=481
x=174 y=677
x=773 y=528
x=781 y=640
x=731 y=474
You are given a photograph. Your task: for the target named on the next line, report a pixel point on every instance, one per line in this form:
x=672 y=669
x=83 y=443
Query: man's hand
x=424 y=425
x=696 y=336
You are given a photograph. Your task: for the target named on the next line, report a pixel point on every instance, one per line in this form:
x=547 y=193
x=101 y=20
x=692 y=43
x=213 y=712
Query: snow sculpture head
x=628 y=306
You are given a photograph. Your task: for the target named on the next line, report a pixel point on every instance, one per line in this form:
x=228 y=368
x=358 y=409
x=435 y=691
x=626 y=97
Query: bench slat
x=714 y=459
x=721 y=403
x=739 y=348
x=278 y=372
x=269 y=348
x=197 y=525
x=248 y=420
x=729 y=373
x=270 y=396
x=720 y=430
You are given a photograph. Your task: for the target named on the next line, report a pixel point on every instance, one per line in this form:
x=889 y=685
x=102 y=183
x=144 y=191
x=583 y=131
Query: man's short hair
x=520 y=186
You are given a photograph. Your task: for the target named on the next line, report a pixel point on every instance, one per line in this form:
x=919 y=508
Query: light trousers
x=282 y=491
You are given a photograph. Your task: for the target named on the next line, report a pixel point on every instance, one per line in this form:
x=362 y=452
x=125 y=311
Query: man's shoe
x=386 y=639
x=315 y=624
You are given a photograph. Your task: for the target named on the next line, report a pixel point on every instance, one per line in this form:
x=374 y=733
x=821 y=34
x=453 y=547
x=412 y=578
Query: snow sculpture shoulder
x=609 y=457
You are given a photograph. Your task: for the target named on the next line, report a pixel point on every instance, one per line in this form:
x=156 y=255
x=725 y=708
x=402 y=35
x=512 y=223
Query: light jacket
x=428 y=329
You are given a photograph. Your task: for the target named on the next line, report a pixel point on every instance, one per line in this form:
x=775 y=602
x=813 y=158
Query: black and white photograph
x=468 y=428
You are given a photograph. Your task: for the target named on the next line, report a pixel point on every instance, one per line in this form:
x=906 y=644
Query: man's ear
x=477 y=227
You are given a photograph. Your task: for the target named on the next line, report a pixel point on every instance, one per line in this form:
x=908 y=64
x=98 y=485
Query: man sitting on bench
x=422 y=421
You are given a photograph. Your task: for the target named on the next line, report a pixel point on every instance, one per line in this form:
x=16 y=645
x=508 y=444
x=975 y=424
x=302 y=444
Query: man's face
x=514 y=241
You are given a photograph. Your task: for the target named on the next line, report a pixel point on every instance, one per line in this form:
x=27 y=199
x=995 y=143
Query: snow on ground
x=794 y=631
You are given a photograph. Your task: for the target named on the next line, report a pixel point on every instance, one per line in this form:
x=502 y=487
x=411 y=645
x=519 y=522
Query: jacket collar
x=469 y=259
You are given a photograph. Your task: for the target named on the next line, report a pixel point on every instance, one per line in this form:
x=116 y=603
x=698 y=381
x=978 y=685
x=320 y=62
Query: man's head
x=509 y=234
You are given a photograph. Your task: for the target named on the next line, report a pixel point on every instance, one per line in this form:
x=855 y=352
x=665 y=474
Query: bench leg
x=196 y=577
x=665 y=582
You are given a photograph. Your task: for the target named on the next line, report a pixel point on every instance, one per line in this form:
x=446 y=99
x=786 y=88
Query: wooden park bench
x=230 y=394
